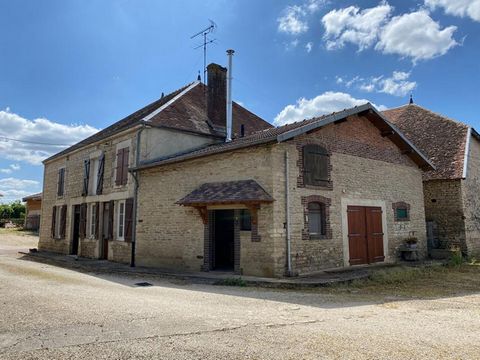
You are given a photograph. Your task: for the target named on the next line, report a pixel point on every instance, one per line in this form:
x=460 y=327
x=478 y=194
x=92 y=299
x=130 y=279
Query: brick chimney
x=217 y=95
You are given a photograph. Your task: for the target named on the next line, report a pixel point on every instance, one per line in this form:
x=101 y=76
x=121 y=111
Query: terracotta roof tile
x=243 y=191
x=443 y=140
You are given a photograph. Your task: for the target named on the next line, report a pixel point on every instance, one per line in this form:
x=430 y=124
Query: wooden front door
x=365 y=234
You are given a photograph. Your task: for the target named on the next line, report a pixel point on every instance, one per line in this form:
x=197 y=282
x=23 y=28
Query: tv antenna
x=208 y=30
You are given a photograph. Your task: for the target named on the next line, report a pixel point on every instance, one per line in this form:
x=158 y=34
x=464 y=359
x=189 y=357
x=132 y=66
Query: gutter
x=467 y=152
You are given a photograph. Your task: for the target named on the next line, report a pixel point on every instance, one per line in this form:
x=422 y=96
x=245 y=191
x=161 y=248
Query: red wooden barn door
x=365 y=234
x=357 y=235
x=374 y=234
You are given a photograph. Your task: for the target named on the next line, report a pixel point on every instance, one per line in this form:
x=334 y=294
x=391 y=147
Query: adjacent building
x=451 y=190
x=33 y=208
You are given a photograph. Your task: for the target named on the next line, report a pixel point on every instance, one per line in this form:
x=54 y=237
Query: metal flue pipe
x=228 y=138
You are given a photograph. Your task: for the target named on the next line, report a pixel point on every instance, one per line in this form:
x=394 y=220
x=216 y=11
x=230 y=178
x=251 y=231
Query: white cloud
x=325 y=103
x=14 y=189
x=397 y=84
x=309 y=47
x=40 y=130
x=416 y=35
x=10 y=169
x=462 y=8
x=293 y=22
x=352 y=25
x=294 y=19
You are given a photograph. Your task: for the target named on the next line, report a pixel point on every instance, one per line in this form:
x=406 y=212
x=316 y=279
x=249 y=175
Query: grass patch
x=232 y=282
x=18 y=232
x=420 y=282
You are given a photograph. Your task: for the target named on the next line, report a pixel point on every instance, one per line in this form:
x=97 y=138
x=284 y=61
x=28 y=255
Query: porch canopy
x=247 y=192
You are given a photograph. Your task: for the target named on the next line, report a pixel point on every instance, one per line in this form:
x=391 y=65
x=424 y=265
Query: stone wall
x=444 y=206
x=364 y=181
x=471 y=201
x=172 y=236
x=73 y=164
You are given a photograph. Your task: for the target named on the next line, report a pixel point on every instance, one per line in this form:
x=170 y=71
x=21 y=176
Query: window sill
x=319 y=237
x=327 y=186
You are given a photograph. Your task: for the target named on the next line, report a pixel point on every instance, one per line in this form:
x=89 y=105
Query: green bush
x=233 y=282
x=456 y=259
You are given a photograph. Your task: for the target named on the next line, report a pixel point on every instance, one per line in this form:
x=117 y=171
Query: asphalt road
x=53 y=313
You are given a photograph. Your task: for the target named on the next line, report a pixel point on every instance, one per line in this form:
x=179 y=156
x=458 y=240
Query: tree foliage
x=14 y=210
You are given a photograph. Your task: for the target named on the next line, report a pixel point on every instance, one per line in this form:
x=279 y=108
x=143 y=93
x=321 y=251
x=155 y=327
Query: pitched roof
x=37 y=196
x=189 y=112
x=442 y=139
x=243 y=191
x=183 y=109
x=286 y=132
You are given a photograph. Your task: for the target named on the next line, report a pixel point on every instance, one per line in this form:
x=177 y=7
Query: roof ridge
x=182 y=91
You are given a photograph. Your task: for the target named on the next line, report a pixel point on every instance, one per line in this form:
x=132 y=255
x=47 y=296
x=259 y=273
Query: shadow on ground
x=383 y=285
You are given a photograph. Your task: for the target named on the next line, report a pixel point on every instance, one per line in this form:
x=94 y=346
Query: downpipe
x=135 y=197
x=287 y=218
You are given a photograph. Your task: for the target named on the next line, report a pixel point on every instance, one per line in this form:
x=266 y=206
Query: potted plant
x=411 y=242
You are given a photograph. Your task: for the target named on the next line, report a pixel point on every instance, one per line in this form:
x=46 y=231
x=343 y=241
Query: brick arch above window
x=324 y=209
x=401 y=211
x=314 y=166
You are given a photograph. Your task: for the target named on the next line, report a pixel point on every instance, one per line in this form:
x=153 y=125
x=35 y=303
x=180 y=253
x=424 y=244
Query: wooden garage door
x=365 y=234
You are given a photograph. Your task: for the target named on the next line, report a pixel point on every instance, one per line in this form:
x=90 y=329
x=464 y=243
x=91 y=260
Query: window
x=122 y=166
x=61 y=182
x=245 y=220
x=402 y=214
x=401 y=211
x=93 y=178
x=59 y=216
x=93 y=220
x=316 y=219
x=316 y=164
x=121 y=220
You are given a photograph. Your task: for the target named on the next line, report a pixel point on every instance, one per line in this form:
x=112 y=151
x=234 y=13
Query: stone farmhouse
x=214 y=187
x=451 y=190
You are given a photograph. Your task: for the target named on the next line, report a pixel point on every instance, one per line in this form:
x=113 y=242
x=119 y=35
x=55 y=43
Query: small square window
x=402 y=214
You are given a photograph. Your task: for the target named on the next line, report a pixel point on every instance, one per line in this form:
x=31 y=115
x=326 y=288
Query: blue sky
x=70 y=67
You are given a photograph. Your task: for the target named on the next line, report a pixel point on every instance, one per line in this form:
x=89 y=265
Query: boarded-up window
x=63 y=221
x=316 y=163
x=122 y=166
x=86 y=176
x=101 y=167
x=61 y=182
x=316 y=219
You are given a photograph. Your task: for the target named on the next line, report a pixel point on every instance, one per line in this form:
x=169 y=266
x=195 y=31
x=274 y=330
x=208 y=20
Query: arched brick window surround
x=403 y=206
x=301 y=180
x=322 y=200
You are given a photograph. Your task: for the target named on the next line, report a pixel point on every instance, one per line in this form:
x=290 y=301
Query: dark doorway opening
x=76 y=230
x=105 y=230
x=223 y=240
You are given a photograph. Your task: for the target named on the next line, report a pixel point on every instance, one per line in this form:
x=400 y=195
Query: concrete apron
x=320 y=279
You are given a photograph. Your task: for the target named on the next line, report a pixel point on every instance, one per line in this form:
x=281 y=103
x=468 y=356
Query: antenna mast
x=206 y=41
